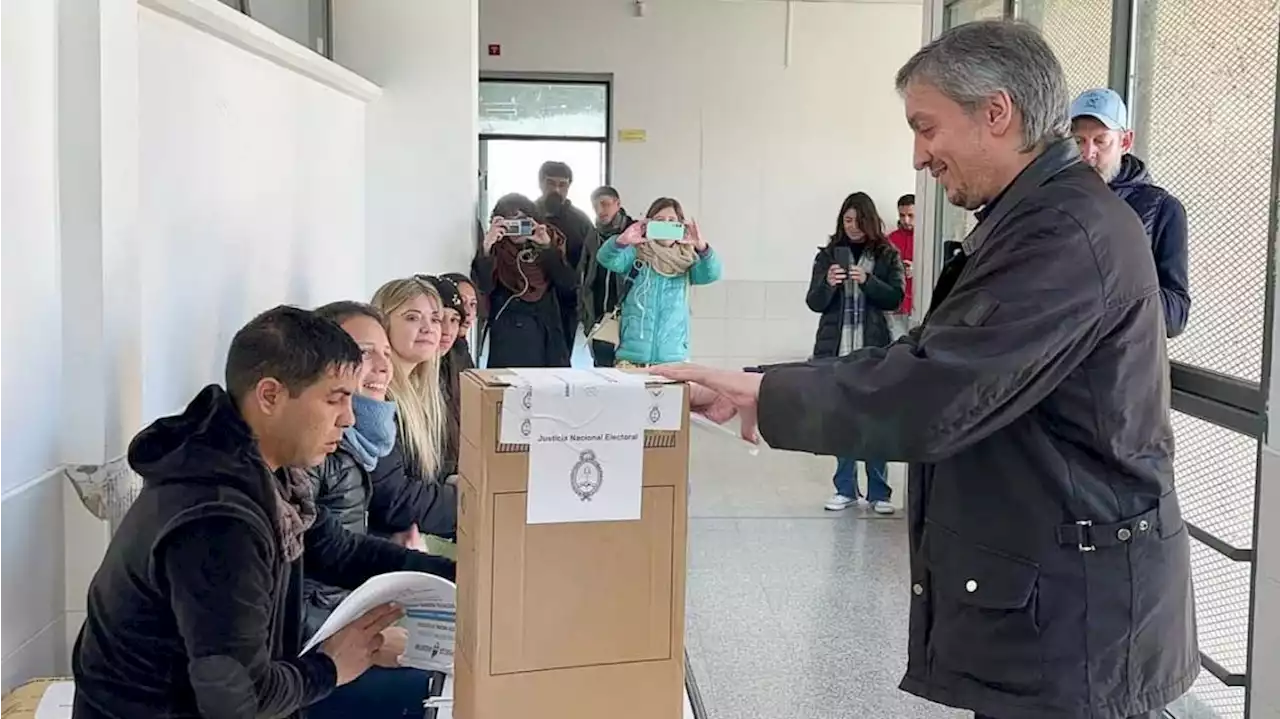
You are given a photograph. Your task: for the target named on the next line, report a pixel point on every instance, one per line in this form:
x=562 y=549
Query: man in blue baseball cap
x=1100 y=123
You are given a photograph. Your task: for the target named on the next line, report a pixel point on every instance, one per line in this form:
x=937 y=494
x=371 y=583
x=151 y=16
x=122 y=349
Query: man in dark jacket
x=196 y=609
x=1050 y=570
x=600 y=287
x=1100 y=123
x=554 y=180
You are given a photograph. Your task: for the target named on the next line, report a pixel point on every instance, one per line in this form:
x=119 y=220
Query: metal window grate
x=960 y=12
x=1222 y=607
x=1210 y=699
x=1204 y=103
x=1216 y=471
x=1079 y=31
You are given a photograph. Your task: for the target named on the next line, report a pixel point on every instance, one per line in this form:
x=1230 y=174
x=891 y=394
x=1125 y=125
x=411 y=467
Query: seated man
x=196 y=609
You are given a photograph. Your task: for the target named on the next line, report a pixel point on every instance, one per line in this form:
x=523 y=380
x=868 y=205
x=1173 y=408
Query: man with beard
x=600 y=287
x=554 y=181
x=1100 y=123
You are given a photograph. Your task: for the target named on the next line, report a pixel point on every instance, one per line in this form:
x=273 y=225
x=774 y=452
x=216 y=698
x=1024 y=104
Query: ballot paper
x=56 y=702
x=725 y=432
x=585 y=431
x=430 y=619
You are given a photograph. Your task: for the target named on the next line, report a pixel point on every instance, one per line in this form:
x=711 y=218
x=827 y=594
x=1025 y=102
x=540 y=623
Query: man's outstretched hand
x=719 y=394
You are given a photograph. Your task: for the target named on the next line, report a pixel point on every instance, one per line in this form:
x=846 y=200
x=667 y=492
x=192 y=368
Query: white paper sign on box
x=665 y=402
x=586 y=446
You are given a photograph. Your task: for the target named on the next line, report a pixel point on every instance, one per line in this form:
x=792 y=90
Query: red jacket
x=905 y=241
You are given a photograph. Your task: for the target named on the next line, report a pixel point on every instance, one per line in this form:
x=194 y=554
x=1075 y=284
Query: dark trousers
x=379 y=693
x=603 y=353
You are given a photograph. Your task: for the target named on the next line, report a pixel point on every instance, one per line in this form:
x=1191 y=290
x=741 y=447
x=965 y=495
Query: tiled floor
x=793 y=611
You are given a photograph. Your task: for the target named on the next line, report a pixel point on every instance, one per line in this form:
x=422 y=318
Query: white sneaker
x=839 y=502
x=882 y=507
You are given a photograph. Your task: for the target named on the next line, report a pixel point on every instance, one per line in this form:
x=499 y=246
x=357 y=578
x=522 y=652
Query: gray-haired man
x=1050 y=570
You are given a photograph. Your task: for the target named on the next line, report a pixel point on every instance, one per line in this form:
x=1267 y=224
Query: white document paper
x=586 y=445
x=430 y=615
x=666 y=399
x=56 y=701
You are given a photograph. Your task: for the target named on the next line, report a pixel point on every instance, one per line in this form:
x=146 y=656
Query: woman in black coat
x=857 y=280
x=524 y=276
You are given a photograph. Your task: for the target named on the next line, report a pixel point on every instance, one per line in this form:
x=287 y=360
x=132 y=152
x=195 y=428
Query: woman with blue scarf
x=343 y=488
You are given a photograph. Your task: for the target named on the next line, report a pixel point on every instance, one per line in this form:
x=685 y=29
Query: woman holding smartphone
x=523 y=271
x=857 y=281
x=659 y=258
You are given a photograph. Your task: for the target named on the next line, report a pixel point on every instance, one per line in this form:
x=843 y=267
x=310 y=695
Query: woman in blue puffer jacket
x=655 y=310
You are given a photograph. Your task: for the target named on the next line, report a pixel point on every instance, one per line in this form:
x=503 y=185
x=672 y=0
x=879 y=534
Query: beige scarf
x=668 y=260
x=295 y=509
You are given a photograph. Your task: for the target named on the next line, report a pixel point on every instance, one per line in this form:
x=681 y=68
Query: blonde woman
x=408 y=489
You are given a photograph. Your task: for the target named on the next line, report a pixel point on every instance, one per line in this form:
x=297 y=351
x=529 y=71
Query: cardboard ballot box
x=576 y=619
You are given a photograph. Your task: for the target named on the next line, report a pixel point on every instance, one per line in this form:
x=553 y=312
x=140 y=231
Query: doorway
x=526 y=122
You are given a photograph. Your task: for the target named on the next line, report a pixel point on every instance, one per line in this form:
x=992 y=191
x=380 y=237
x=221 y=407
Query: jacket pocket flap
x=976 y=575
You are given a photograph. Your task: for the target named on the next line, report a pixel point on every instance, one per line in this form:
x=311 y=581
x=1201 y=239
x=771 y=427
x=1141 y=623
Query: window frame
x=536 y=78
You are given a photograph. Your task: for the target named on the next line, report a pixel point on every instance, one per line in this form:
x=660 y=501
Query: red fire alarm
x=495 y=50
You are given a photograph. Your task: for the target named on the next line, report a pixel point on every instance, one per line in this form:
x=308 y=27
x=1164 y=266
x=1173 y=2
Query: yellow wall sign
x=632 y=135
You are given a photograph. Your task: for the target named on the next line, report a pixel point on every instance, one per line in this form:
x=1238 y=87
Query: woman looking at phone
x=658 y=258
x=522 y=269
x=857 y=280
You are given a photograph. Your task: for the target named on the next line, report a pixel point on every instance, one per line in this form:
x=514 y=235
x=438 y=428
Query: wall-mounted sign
x=495 y=50
x=632 y=135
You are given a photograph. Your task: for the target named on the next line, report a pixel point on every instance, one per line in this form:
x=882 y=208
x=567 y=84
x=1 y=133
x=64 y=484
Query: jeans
x=846 y=479
x=603 y=353
x=379 y=693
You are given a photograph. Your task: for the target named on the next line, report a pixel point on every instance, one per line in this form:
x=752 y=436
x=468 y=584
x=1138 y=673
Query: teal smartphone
x=662 y=230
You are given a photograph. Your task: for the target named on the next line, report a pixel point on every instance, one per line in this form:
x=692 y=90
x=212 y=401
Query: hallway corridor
x=793 y=611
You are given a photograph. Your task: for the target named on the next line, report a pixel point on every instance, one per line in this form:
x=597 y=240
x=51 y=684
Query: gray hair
x=974 y=61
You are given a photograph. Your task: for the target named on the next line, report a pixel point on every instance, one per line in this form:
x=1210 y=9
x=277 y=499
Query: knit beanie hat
x=450 y=298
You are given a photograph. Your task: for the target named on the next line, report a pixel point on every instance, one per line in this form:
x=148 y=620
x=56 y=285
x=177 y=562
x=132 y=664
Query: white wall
x=760 y=150
x=170 y=169
x=421 y=142
x=251 y=194
x=31 y=520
